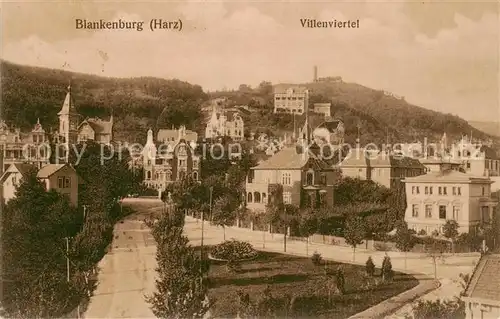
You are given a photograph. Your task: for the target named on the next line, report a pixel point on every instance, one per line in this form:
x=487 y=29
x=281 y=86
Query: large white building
x=438 y=196
x=293 y=100
x=225 y=123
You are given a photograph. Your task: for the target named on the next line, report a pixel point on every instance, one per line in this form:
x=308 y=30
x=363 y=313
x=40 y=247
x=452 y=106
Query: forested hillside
x=380 y=117
x=137 y=104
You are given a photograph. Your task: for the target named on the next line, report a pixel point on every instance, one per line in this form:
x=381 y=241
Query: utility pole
x=67 y=258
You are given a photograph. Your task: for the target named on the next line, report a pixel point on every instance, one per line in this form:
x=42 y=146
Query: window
x=249 y=198
x=418 y=190
x=430 y=190
x=195 y=176
x=67 y=182
x=456 y=212
x=14 y=180
x=428 y=211
x=468 y=165
x=454 y=191
x=426 y=190
x=60 y=182
x=148 y=175
x=256 y=197
x=444 y=191
x=195 y=163
x=440 y=191
x=286 y=179
x=415 y=210
x=287 y=198
x=182 y=174
x=413 y=189
x=442 y=212
x=459 y=191
x=309 y=178
x=482 y=190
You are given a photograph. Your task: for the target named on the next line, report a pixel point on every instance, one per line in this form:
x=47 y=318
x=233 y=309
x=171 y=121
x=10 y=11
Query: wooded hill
x=141 y=103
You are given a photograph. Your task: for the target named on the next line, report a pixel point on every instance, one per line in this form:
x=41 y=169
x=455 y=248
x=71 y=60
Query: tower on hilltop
x=315 y=73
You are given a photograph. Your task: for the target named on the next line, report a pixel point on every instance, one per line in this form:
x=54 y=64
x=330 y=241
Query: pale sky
x=440 y=55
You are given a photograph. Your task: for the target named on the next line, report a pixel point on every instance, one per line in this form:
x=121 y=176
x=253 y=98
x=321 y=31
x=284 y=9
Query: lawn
x=299 y=278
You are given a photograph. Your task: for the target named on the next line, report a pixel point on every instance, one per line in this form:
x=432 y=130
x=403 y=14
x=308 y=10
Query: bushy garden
x=277 y=285
x=233 y=250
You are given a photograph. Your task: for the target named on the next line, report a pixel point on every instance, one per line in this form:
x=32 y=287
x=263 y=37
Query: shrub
x=233 y=266
x=387 y=272
x=439 y=309
x=233 y=250
x=422 y=232
x=370 y=267
x=316 y=258
x=435 y=233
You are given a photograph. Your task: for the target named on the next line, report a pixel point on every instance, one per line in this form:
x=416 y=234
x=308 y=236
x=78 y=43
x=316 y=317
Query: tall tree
x=224 y=211
x=450 y=231
x=404 y=239
x=180 y=290
x=34 y=271
x=354 y=233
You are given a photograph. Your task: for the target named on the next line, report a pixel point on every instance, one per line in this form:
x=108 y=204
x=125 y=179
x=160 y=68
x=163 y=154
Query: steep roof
x=99 y=126
x=290 y=158
x=22 y=168
x=49 y=170
x=68 y=104
x=485 y=281
x=330 y=125
x=448 y=176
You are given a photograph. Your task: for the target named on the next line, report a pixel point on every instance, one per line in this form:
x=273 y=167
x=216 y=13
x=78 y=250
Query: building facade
x=228 y=123
x=476 y=159
x=323 y=108
x=17 y=147
x=167 y=160
x=304 y=178
x=73 y=131
x=383 y=168
x=436 y=197
x=59 y=177
x=294 y=100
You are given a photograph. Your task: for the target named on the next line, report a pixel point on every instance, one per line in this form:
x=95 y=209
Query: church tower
x=68 y=120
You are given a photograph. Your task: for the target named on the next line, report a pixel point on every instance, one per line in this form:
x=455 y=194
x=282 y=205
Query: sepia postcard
x=250 y=159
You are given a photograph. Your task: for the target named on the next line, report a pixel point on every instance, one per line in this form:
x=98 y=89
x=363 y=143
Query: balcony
x=257 y=196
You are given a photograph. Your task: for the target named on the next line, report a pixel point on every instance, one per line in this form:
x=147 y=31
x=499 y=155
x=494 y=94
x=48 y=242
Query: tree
x=224 y=212
x=308 y=226
x=404 y=239
x=180 y=290
x=387 y=272
x=435 y=250
x=370 y=267
x=354 y=233
x=450 y=231
x=34 y=226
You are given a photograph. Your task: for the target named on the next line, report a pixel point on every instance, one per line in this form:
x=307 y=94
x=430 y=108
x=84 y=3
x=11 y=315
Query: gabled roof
x=448 y=176
x=22 y=168
x=355 y=158
x=484 y=284
x=51 y=169
x=99 y=126
x=290 y=158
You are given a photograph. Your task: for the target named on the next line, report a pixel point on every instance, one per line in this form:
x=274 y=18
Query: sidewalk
x=417 y=264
